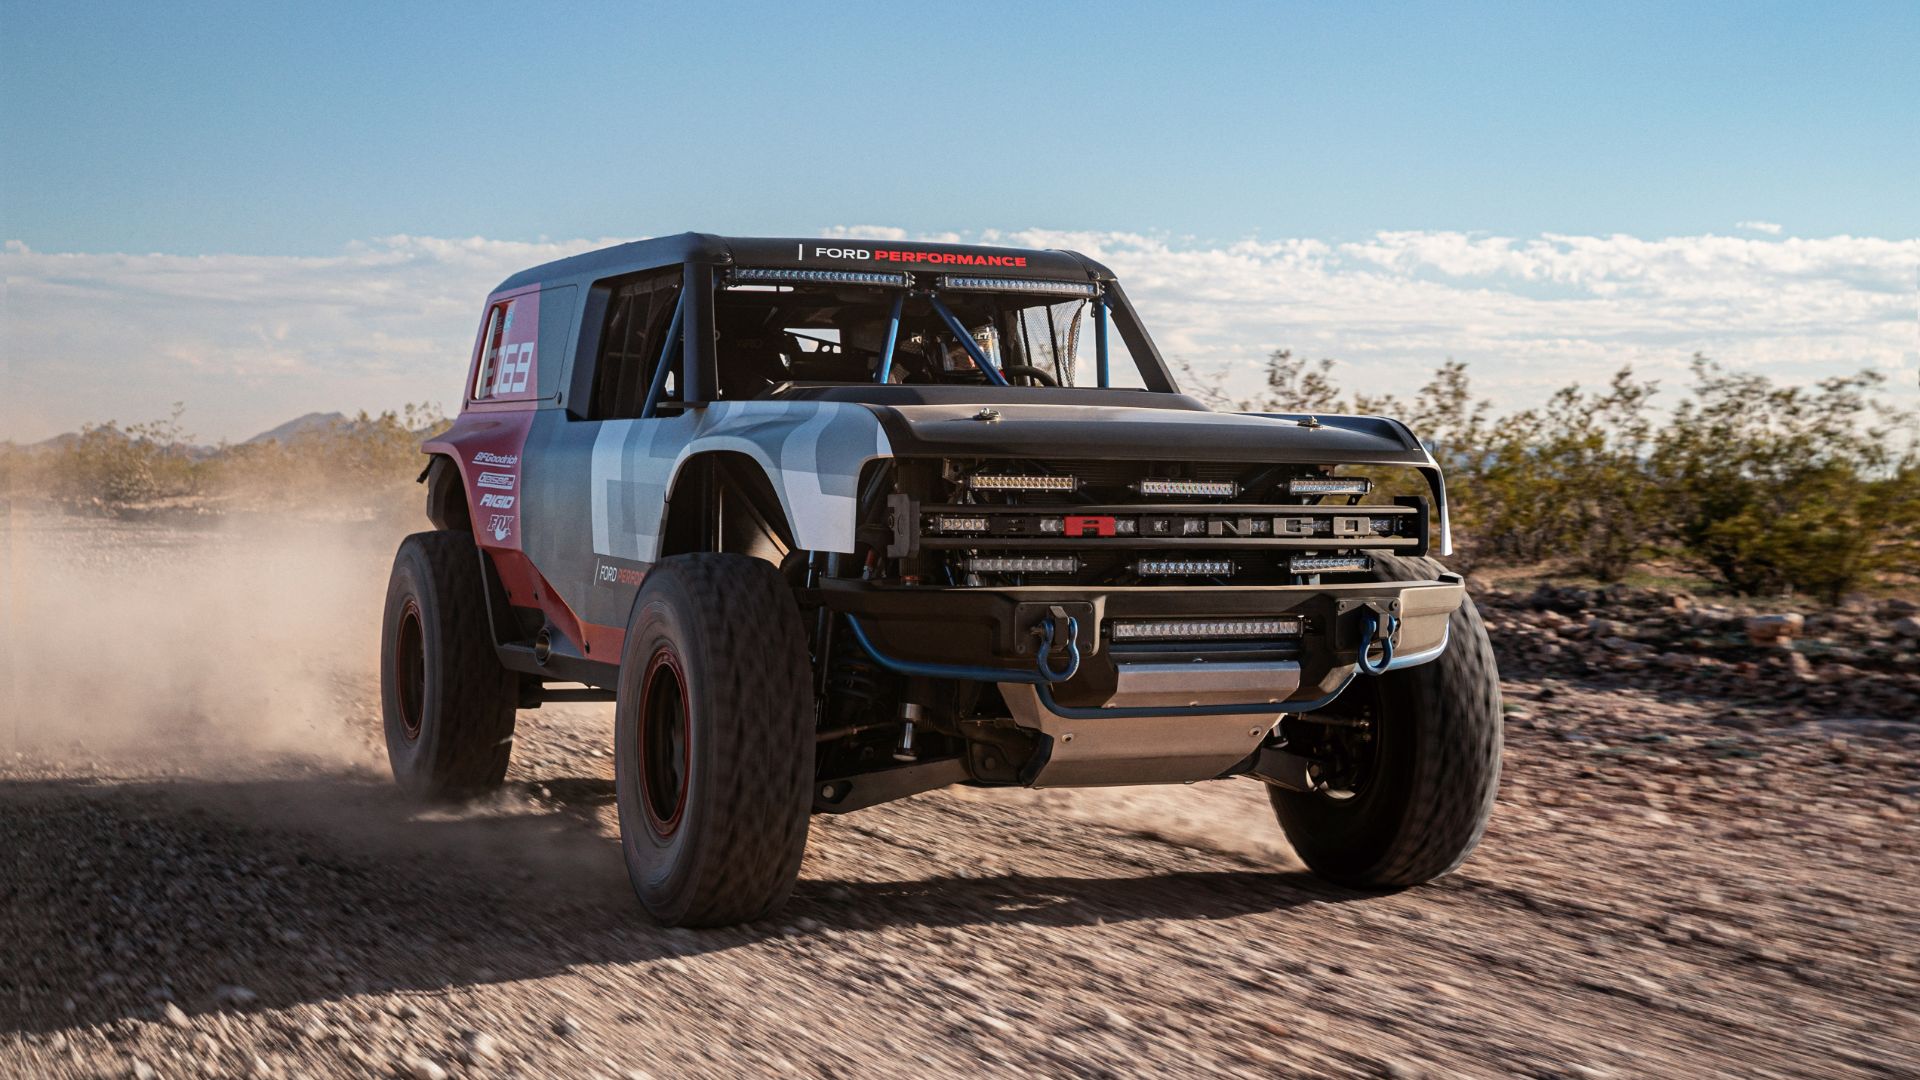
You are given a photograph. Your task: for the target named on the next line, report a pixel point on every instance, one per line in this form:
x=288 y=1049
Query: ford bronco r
x=835 y=522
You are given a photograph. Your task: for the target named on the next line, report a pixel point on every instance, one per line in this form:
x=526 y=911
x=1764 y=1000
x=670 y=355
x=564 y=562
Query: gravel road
x=206 y=881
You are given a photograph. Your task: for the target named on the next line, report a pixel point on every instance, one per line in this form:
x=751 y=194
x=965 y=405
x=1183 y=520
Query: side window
x=632 y=343
x=488 y=372
x=508 y=351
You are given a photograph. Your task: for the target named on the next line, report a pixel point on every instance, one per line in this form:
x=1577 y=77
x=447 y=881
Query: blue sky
x=193 y=129
x=261 y=212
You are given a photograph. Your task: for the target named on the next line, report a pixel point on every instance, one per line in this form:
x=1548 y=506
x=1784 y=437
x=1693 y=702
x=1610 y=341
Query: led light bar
x=1206 y=489
x=1187 y=629
x=824 y=277
x=1022 y=483
x=1025 y=285
x=1022 y=564
x=1329 y=485
x=949 y=523
x=1328 y=564
x=1184 y=568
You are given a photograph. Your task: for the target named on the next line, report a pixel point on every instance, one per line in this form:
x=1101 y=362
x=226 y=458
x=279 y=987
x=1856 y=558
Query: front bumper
x=1000 y=630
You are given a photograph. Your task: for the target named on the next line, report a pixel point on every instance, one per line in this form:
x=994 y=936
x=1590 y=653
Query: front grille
x=1038 y=521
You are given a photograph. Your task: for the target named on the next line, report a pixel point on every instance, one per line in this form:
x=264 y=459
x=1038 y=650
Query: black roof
x=810 y=253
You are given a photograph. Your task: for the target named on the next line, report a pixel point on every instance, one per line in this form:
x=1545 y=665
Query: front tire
x=447 y=703
x=1417 y=806
x=713 y=756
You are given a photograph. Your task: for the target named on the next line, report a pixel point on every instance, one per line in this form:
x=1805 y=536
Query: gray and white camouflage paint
x=812 y=451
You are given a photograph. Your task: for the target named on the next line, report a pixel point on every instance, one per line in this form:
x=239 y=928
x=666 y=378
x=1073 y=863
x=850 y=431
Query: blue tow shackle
x=1369 y=631
x=1048 y=631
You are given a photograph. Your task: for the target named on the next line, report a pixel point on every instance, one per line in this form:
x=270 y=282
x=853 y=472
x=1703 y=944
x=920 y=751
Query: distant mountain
x=58 y=442
x=313 y=422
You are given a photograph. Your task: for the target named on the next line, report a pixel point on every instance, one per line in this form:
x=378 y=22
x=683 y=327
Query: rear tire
x=713 y=756
x=1435 y=764
x=447 y=703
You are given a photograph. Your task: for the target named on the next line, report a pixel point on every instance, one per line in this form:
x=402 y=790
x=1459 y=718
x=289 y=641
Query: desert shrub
x=117 y=468
x=358 y=466
x=1784 y=488
x=360 y=463
x=1768 y=488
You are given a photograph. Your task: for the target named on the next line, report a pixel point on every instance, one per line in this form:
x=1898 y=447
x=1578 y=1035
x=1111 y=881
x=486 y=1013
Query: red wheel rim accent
x=666 y=753
x=410 y=669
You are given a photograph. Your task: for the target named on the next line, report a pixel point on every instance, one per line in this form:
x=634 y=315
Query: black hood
x=1079 y=422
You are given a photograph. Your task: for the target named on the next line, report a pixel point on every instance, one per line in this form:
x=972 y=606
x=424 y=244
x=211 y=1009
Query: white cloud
x=1771 y=228
x=248 y=341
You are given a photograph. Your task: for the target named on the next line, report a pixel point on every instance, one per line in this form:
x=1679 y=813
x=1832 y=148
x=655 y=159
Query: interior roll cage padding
x=966 y=342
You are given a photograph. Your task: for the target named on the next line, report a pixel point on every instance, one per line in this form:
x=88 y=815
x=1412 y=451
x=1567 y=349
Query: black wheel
x=713 y=754
x=1408 y=782
x=448 y=704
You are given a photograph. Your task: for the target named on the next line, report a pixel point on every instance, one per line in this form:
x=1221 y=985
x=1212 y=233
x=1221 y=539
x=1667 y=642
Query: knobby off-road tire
x=1436 y=766
x=713 y=756
x=447 y=702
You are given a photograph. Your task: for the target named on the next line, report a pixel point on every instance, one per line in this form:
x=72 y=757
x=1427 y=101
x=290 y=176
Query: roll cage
x=943 y=277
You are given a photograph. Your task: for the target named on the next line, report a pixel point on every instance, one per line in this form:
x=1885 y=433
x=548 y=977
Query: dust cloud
x=184 y=648
x=238 y=649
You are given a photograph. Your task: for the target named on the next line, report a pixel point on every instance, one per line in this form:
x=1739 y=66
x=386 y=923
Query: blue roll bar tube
x=1100 y=336
x=885 y=373
x=659 y=384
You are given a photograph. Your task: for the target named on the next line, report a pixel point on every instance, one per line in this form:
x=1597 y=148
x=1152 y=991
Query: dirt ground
x=207 y=872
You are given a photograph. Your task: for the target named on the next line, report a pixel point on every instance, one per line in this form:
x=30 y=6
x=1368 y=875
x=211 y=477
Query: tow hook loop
x=1048 y=629
x=1369 y=635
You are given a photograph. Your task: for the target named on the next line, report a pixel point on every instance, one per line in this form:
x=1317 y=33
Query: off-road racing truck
x=837 y=522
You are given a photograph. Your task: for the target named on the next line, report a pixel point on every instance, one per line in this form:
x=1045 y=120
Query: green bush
x=1768 y=488
x=1786 y=488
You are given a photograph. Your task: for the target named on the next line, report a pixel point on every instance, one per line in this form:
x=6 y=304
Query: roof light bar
x=1025 y=285
x=1184 y=568
x=951 y=523
x=990 y=482
x=1329 y=485
x=1328 y=564
x=1203 y=489
x=1189 y=629
x=1022 y=564
x=895 y=280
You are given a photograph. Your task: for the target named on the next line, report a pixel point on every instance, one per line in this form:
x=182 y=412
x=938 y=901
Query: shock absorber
x=853 y=680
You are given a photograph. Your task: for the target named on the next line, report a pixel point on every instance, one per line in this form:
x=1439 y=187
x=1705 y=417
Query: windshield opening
x=768 y=335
